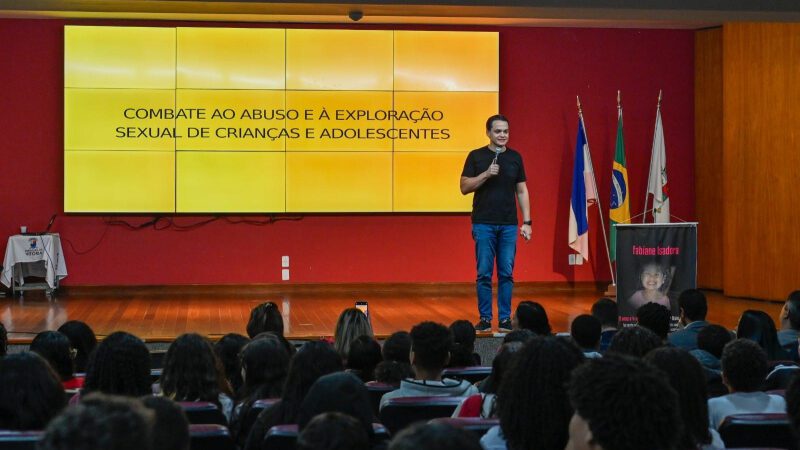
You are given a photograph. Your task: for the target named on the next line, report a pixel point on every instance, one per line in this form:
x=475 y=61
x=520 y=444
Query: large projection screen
x=231 y=120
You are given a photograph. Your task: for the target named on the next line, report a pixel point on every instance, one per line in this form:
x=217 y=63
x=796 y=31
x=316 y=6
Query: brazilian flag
x=620 y=211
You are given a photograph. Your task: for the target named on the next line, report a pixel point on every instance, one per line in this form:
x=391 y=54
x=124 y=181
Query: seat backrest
x=376 y=389
x=210 y=437
x=757 y=430
x=19 y=440
x=284 y=437
x=399 y=413
x=477 y=425
x=473 y=374
x=203 y=413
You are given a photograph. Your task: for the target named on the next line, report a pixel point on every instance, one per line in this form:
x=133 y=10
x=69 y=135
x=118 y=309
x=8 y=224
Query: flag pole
x=650 y=171
x=594 y=183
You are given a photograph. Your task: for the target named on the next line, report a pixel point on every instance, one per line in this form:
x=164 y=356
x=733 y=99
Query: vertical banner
x=655 y=263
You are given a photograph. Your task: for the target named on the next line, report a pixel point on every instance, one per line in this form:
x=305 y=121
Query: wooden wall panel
x=708 y=155
x=761 y=243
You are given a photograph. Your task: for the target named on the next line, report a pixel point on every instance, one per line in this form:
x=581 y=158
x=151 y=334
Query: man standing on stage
x=496 y=175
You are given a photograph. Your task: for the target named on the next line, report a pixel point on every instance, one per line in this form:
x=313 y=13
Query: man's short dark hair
x=744 y=365
x=333 y=431
x=694 y=305
x=627 y=404
x=606 y=312
x=434 y=436
x=634 y=341
x=655 y=317
x=793 y=308
x=491 y=120
x=397 y=347
x=431 y=342
x=585 y=330
x=712 y=338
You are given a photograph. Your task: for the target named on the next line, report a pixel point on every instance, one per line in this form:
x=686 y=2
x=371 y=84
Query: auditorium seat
x=477 y=425
x=284 y=437
x=757 y=430
x=376 y=389
x=473 y=374
x=157 y=359
x=203 y=413
x=258 y=406
x=399 y=413
x=210 y=437
x=19 y=440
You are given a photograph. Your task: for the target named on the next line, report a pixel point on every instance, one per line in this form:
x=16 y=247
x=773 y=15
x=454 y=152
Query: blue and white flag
x=583 y=195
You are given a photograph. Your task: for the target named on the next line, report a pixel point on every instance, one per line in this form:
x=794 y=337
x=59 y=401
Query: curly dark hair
x=54 y=347
x=30 y=392
x=759 y=327
x=82 y=339
x=712 y=338
x=397 y=347
x=393 y=372
x=628 y=404
x=532 y=403
x=119 y=365
x=192 y=370
x=654 y=317
x=532 y=316
x=365 y=355
x=100 y=421
x=606 y=312
x=227 y=349
x=744 y=365
x=170 y=430
x=693 y=303
x=634 y=341
x=431 y=343
x=434 y=436
x=686 y=376
x=265 y=317
x=585 y=329
x=500 y=366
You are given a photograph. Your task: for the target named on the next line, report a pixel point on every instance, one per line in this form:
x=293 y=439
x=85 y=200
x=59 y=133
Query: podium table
x=33 y=255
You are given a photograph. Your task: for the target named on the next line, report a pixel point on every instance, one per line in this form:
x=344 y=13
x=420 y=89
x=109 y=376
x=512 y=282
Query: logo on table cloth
x=32 y=242
x=34 y=249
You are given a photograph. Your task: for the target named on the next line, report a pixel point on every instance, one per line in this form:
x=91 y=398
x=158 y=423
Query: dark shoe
x=504 y=326
x=483 y=325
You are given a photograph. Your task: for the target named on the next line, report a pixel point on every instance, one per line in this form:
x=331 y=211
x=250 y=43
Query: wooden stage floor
x=159 y=314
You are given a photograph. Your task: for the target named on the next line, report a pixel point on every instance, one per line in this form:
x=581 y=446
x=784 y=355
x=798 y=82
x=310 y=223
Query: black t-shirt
x=495 y=201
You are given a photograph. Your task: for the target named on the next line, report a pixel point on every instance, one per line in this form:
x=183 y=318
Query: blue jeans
x=495 y=242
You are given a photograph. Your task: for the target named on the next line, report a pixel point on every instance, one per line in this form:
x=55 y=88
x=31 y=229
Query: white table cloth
x=39 y=256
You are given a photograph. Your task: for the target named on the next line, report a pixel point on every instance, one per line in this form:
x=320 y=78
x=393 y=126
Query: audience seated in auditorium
x=170 y=429
x=792 y=397
x=193 y=373
x=430 y=351
x=266 y=317
x=759 y=327
x=120 y=365
x=686 y=376
x=351 y=324
x=30 y=392
x=533 y=406
x=364 y=356
x=531 y=316
x=227 y=349
x=333 y=431
x=54 y=347
x=100 y=422
x=338 y=392
x=463 y=352
x=312 y=360
x=656 y=318
x=264 y=363
x=607 y=313
x=395 y=365
x=744 y=367
x=647 y=418
x=789 y=334
x=82 y=339
x=693 y=310
x=484 y=404
x=634 y=341
x=585 y=331
x=434 y=436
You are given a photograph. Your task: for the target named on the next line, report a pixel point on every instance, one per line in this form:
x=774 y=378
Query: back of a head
x=100 y=422
x=82 y=339
x=313 y=360
x=351 y=324
x=585 y=329
x=694 y=305
x=606 y=312
x=265 y=317
x=434 y=436
x=532 y=316
x=744 y=365
x=463 y=333
x=759 y=327
x=686 y=376
x=393 y=372
x=397 y=347
x=712 y=338
x=793 y=308
x=365 y=354
x=119 y=365
x=533 y=406
x=227 y=349
x=191 y=370
x=55 y=348
x=30 y=392
x=265 y=363
x=170 y=430
x=500 y=365
x=520 y=335
x=626 y=403
x=333 y=431
x=634 y=341
x=430 y=343
x=654 y=317
x=793 y=404
x=338 y=392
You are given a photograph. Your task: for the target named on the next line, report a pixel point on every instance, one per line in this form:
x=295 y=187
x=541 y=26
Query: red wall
x=542 y=69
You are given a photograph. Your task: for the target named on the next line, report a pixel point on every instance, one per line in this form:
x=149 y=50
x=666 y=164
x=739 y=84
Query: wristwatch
x=527 y=222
